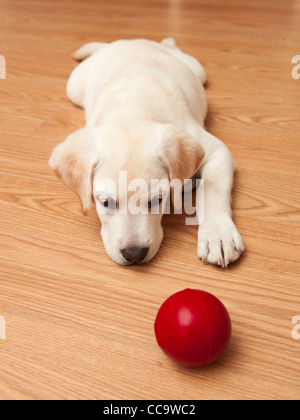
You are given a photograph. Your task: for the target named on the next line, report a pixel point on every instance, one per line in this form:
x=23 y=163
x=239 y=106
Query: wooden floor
x=77 y=325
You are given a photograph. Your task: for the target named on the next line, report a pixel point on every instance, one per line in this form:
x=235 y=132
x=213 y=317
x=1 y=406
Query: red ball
x=193 y=328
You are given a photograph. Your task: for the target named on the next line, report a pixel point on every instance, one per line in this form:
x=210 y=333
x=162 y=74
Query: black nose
x=134 y=254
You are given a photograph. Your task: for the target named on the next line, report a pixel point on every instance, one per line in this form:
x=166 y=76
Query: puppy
x=145 y=107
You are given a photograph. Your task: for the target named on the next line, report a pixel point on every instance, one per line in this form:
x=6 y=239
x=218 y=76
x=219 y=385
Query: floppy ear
x=182 y=155
x=73 y=161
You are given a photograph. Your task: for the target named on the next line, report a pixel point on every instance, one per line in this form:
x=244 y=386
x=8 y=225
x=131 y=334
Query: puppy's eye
x=109 y=203
x=155 y=202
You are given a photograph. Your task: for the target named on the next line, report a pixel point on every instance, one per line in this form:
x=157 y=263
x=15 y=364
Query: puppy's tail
x=169 y=42
x=87 y=50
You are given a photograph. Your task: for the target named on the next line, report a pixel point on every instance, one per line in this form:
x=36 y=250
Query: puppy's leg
x=77 y=83
x=194 y=65
x=190 y=61
x=219 y=241
x=76 y=86
x=87 y=50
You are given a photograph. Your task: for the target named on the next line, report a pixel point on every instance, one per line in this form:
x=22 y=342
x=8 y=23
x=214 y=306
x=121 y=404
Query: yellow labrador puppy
x=145 y=107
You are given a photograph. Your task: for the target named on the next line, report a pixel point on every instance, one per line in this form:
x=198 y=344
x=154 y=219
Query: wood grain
x=68 y=362
x=80 y=326
x=92 y=302
x=273 y=243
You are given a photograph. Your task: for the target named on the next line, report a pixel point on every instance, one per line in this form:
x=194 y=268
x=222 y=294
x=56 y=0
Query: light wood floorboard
x=77 y=325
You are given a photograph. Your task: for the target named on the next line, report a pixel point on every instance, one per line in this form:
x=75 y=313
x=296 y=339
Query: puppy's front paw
x=219 y=241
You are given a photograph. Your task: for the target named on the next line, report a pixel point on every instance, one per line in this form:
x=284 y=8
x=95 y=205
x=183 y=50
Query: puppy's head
x=126 y=170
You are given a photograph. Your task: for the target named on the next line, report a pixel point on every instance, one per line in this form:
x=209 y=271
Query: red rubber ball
x=193 y=328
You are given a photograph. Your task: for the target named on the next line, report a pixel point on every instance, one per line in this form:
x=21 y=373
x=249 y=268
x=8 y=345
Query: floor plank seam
x=220 y=276
x=32 y=178
x=130 y=344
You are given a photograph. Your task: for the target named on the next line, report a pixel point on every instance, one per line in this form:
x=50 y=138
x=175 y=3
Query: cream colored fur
x=145 y=107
